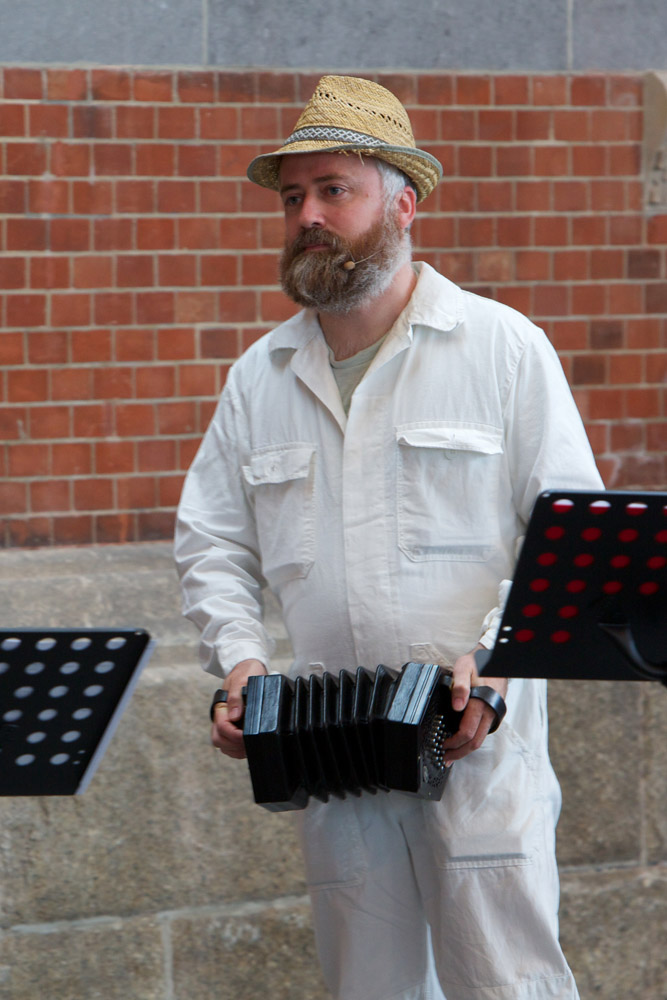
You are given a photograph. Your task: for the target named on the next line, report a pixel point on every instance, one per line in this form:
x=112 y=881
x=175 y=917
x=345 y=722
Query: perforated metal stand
x=589 y=595
x=62 y=693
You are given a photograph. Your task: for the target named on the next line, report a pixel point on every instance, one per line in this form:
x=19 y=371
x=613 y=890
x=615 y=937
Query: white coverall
x=387 y=536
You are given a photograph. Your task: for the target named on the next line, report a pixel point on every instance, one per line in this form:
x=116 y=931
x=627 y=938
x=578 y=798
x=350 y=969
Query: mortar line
x=569 y=43
x=204 y=32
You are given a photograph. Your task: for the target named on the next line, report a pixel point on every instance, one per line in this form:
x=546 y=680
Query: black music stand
x=589 y=595
x=62 y=693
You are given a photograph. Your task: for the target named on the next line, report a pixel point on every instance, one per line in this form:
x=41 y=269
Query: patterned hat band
x=329 y=134
x=348 y=114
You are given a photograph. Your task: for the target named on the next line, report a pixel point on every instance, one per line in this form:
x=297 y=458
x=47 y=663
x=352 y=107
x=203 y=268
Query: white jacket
x=387 y=534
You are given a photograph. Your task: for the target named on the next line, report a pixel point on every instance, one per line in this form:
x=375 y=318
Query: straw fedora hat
x=350 y=114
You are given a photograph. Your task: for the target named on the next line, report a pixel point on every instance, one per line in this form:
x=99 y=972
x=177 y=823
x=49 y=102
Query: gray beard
x=320 y=281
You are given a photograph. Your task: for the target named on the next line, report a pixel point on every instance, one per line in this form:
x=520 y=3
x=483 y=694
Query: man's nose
x=311 y=214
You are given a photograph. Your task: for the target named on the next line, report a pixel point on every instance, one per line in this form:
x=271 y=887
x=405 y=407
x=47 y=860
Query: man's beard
x=318 y=279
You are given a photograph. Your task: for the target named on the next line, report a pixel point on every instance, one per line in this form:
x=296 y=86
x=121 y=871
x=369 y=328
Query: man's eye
x=334 y=190
x=291 y=200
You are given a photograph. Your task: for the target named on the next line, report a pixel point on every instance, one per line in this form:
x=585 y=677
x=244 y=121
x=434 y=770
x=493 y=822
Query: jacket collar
x=435 y=302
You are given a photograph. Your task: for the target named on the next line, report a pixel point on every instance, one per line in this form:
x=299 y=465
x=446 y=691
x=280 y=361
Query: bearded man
x=375 y=460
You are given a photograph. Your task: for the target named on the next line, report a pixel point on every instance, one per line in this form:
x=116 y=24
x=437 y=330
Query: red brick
x=197 y=380
x=49 y=272
x=511 y=90
x=25 y=310
x=219 y=123
x=571 y=196
x=135 y=197
x=180 y=123
x=656 y=436
x=113 y=383
x=73 y=530
x=242 y=234
x=110 y=85
x=48 y=197
x=627 y=436
x=92 y=197
x=533 y=196
x=92 y=421
x=28 y=460
x=625 y=91
x=156 y=455
x=551 y=230
x=572 y=126
x=66 y=84
x=607 y=264
x=198 y=87
x=176 y=270
x=425 y=124
x=589 y=369
x=625 y=229
x=198 y=234
x=70 y=309
x=589 y=161
x=169 y=490
x=48 y=120
x=155 y=160
x=495 y=266
x=625 y=369
x=492 y=196
x=234 y=160
x=90 y=345
x=176 y=344
x=114 y=159
x=12 y=197
x=221 y=196
x=69 y=159
x=92 y=271
x=514 y=161
x=112 y=234
x=196 y=161
x=134 y=122
x=12 y=119
x=257 y=269
x=550 y=300
x=219 y=342
x=155 y=382
x=92 y=122
x=195 y=307
x=642 y=403
x=514 y=231
x=25 y=159
x=570 y=265
x=473 y=232
x=135 y=345
x=136 y=493
x=605 y=404
x=93 y=494
x=274 y=307
x=69 y=384
x=625 y=298
x=589 y=300
x=26 y=234
x=29 y=531
x=11 y=348
x=155 y=307
x=176 y=196
x=549 y=90
x=569 y=335
x=532 y=265
x=13 y=498
x=179 y=417
x=27 y=386
x=49 y=422
x=135 y=419
x=155 y=525
x=473 y=89
x=67 y=235
x=52 y=495
x=533 y=125
x=113 y=457
x=134 y=271
x=73 y=458
x=113 y=309
x=607 y=195
x=48 y=348
x=254 y=199
x=475 y=161
x=236 y=86
x=551 y=161
x=281 y=87
x=588 y=90
x=257 y=123
x=13 y=421
x=23 y=84
x=12 y=272
x=155 y=234
x=589 y=230
x=153 y=86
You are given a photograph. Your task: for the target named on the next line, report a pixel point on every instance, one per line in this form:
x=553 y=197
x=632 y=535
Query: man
x=375 y=460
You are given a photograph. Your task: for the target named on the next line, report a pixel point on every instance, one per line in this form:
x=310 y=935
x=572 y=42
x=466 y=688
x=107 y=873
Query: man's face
x=335 y=213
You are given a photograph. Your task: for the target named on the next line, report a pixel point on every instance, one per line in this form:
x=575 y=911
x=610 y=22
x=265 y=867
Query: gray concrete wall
x=519 y=35
x=164 y=881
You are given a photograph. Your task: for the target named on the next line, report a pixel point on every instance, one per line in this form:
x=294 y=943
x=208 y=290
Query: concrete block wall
x=164 y=881
x=140 y=263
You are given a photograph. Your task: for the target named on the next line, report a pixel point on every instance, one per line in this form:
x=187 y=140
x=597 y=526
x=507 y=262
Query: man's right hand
x=226 y=733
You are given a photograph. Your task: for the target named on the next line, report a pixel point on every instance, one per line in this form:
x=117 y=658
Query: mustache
x=316 y=237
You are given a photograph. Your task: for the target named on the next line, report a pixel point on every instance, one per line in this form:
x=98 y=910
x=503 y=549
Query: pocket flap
x=279 y=465
x=452 y=437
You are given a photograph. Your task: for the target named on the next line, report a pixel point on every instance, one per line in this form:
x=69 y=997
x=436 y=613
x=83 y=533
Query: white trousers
x=413 y=900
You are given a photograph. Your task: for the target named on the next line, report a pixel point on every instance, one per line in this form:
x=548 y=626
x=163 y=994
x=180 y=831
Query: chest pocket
x=447 y=490
x=283 y=486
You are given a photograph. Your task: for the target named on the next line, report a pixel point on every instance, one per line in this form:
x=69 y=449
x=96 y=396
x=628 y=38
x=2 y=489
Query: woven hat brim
x=421 y=167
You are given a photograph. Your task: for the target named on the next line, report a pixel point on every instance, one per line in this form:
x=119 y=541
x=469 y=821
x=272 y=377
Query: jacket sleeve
x=546 y=444
x=216 y=549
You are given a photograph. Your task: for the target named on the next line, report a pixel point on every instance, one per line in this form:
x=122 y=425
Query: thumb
x=234 y=706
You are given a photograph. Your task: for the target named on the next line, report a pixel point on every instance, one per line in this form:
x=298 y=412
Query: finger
x=226 y=735
x=460 y=687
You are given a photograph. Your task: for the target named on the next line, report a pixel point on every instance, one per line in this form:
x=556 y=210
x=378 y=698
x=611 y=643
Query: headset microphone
x=350 y=265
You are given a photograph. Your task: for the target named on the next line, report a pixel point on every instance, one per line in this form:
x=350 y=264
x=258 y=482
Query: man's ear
x=406 y=206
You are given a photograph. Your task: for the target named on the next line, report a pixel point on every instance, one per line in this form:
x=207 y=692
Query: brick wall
x=139 y=263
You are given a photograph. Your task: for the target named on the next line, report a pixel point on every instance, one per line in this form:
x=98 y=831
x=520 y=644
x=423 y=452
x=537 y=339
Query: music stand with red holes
x=62 y=693
x=589 y=596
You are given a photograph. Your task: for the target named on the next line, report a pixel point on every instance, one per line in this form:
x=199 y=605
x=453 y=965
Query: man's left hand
x=477 y=716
